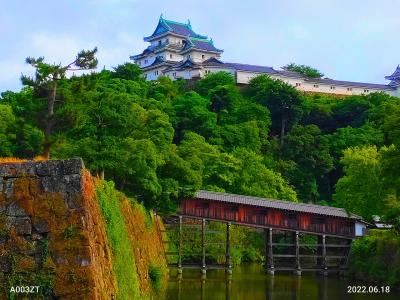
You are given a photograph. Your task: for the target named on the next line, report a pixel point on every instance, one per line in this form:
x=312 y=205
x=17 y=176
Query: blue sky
x=348 y=40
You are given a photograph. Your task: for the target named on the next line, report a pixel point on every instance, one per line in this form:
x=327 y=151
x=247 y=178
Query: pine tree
x=46 y=79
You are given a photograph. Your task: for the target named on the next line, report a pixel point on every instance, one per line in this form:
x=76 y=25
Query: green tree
x=212 y=80
x=117 y=138
x=361 y=190
x=303 y=69
x=283 y=101
x=305 y=146
x=7 y=135
x=46 y=81
x=128 y=71
x=254 y=178
x=353 y=111
x=26 y=109
x=349 y=136
x=222 y=99
x=192 y=114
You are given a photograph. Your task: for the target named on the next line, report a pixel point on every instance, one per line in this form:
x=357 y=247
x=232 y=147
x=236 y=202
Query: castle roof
x=251 y=68
x=186 y=64
x=167 y=26
x=395 y=75
x=201 y=44
x=160 y=61
x=350 y=83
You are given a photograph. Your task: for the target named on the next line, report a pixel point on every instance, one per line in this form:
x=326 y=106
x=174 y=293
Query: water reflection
x=250 y=282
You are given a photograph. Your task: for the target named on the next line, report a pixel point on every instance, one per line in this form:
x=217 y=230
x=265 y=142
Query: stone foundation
x=51 y=231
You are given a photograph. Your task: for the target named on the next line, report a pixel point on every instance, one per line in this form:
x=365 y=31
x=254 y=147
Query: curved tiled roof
x=251 y=68
x=395 y=75
x=276 y=204
x=174 y=27
x=350 y=83
x=201 y=44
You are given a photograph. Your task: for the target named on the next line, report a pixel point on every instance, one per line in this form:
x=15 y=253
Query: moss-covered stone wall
x=52 y=232
x=73 y=236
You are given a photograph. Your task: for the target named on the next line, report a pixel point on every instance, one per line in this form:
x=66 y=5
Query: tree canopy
x=162 y=140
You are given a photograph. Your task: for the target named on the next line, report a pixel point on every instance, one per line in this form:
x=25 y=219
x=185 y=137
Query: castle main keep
x=177 y=51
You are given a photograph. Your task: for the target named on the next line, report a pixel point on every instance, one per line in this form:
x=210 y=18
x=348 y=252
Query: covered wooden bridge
x=276 y=217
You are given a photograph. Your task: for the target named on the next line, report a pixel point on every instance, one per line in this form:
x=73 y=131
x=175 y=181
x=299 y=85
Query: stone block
x=73 y=166
x=41 y=226
x=8 y=187
x=5 y=264
x=13 y=210
x=23 y=226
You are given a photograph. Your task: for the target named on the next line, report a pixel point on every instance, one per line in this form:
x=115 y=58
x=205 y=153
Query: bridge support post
x=269 y=258
x=322 y=254
x=324 y=264
x=180 y=246
x=228 y=249
x=203 y=247
x=298 y=267
x=347 y=252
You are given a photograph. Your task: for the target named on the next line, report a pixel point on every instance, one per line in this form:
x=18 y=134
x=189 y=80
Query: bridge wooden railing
x=346 y=230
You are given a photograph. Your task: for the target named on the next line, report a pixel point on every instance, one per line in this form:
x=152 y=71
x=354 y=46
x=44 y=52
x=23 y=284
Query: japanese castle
x=177 y=51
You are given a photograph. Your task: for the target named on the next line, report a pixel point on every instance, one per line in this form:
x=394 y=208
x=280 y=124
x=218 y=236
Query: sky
x=355 y=40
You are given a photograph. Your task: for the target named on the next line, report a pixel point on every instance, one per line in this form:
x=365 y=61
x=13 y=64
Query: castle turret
x=395 y=81
x=171 y=44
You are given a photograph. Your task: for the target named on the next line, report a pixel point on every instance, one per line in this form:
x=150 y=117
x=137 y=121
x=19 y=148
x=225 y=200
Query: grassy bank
x=123 y=259
x=137 y=254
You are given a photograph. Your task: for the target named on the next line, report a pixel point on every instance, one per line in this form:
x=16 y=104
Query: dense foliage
x=161 y=140
x=377 y=257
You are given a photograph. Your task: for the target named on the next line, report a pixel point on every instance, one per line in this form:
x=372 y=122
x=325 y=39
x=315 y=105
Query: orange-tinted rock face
x=51 y=231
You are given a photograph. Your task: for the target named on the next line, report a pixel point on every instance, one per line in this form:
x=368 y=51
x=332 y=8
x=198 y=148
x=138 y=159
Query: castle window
x=298 y=84
x=174 y=74
x=189 y=56
x=159 y=43
x=333 y=87
x=156 y=72
x=349 y=89
x=202 y=56
x=170 y=56
x=166 y=41
x=145 y=61
x=183 y=41
x=366 y=91
x=316 y=85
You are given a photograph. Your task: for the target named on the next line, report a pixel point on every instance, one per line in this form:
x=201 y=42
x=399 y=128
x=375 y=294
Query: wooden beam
x=203 y=246
x=180 y=246
x=298 y=268
x=269 y=250
x=348 y=237
x=228 y=248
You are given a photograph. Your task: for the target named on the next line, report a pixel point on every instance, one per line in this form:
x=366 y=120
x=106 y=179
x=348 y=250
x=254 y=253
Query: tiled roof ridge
x=339 y=211
x=269 y=199
x=177 y=23
x=200 y=39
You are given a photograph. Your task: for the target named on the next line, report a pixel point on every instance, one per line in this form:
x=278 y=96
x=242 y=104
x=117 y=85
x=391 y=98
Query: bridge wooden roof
x=276 y=204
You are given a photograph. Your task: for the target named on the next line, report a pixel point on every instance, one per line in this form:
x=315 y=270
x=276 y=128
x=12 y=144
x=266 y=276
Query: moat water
x=249 y=282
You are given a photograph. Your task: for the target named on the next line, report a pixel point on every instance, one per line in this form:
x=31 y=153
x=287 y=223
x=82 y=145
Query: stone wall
x=51 y=231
